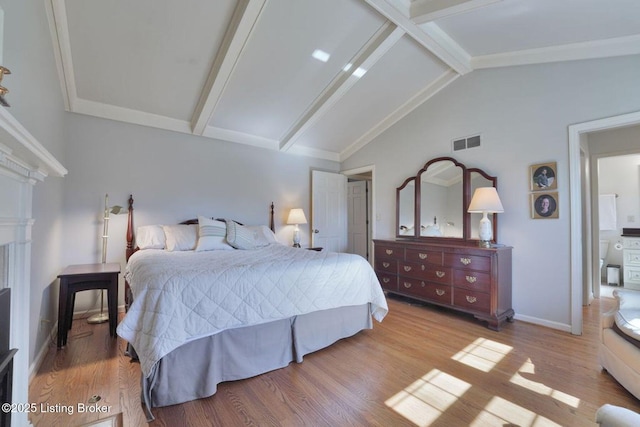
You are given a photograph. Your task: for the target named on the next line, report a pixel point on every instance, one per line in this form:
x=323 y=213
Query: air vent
x=468 y=142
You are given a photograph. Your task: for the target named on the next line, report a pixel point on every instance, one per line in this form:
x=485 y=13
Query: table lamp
x=296 y=217
x=485 y=200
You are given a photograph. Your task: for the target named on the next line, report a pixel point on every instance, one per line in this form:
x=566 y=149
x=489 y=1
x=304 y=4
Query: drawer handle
x=407 y=285
x=389 y=251
x=422 y=267
x=422 y=284
x=386 y=279
x=465 y=261
x=386 y=264
x=440 y=292
x=407 y=268
x=423 y=256
x=471 y=299
x=471 y=279
x=440 y=274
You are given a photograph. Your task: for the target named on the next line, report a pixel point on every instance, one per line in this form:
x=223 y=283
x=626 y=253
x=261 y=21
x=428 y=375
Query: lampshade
x=485 y=199
x=296 y=216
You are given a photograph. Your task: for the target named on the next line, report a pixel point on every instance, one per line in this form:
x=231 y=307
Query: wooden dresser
x=462 y=277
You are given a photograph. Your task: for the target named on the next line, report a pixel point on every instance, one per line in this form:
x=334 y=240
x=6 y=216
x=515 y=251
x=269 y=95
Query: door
x=329 y=211
x=357 y=214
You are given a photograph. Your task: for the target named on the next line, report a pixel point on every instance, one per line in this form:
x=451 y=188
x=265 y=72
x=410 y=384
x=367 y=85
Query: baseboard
x=542 y=322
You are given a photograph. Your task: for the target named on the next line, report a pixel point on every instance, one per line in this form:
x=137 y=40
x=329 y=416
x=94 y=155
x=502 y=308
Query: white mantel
x=23 y=163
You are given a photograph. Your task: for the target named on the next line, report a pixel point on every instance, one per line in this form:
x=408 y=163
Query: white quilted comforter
x=181 y=296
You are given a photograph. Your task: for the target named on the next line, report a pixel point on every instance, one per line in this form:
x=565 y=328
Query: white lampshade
x=485 y=199
x=296 y=216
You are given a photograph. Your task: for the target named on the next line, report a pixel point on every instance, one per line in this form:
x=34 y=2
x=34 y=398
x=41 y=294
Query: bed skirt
x=194 y=370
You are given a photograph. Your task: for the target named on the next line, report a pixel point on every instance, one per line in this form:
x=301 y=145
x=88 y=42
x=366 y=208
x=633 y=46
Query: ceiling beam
x=242 y=24
x=375 y=48
x=619 y=46
x=420 y=98
x=451 y=57
x=429 y=10
x=59 y=28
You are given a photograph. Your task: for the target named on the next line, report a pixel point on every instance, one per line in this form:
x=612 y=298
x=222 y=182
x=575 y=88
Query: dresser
x=461 y=277
x=631 y=261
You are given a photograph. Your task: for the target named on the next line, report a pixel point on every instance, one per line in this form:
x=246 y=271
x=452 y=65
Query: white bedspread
x=181 y=296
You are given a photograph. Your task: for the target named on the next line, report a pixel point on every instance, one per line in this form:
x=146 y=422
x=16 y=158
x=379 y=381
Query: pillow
x=180 y=237
x=628 y=320
x=262 y=235
x=240 y=237
x=211 y=235
x=150 y=237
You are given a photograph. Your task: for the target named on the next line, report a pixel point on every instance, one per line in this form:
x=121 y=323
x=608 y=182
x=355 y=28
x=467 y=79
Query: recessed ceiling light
x=321 y=55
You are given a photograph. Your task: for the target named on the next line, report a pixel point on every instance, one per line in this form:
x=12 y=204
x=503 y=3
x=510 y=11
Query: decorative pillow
x=628 y=320
x=180 y=237
x=240 y=237
x=211 y=235
x=262 y=235
x=150 y=237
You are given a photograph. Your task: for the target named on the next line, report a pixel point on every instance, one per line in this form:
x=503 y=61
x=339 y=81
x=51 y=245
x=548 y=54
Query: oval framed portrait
x=544 y=206
x=542 y=177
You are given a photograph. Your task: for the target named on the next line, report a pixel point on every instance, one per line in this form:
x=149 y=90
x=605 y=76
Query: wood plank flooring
x=422 y=366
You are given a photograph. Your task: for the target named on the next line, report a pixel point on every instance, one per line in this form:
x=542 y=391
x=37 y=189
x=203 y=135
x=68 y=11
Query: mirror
x=438 y=195
x=441 y=200
x=406 y=207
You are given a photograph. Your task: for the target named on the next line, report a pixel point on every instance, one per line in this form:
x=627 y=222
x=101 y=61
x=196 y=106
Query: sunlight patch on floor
x=426 y=399
x=536 y=387
x=502 y=412
x=483 y=354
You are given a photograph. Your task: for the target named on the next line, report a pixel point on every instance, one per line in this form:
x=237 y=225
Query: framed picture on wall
x=542 y=177
x=544 y=205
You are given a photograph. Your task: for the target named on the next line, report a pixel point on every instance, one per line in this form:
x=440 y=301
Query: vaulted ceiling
x=313 y=77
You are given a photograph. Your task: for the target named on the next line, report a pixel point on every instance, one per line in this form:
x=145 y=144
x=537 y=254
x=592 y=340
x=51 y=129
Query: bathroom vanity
x=631 y=257
x=447 y=267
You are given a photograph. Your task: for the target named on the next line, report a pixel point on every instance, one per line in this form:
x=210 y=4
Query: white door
x=329 y=211
x=357 y=218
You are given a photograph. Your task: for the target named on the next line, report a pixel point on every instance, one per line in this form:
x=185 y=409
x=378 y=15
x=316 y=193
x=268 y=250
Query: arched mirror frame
x=466 y=199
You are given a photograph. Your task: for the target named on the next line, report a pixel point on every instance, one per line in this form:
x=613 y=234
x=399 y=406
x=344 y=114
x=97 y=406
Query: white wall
x=523 y=114
x=36 y=102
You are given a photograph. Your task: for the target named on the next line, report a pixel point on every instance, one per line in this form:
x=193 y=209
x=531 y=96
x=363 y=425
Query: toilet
x=604 y=248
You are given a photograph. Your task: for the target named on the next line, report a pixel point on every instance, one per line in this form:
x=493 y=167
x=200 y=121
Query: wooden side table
x=83 y=277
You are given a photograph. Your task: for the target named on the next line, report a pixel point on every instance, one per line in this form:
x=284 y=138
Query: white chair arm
x=608 y=319
x=616 y=416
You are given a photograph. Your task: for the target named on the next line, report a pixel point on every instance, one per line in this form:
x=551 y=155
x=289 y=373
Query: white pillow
x=240 y=237
x=211 y=235
x=150 y=237
x=262 y=235
x=180 y=237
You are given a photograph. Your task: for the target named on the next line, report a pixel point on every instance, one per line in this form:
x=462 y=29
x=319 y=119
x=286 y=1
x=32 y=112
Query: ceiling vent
x=468 y=142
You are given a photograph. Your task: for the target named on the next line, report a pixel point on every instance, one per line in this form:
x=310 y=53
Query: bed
x=234 y=304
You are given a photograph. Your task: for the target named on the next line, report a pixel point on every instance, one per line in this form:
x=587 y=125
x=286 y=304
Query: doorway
x=360 y=211
x=578 y=140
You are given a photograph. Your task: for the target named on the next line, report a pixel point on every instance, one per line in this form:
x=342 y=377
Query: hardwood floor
x=421 y=366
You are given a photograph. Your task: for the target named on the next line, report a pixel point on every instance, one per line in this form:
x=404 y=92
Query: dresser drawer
x=631 y=242
x=389 y=252
x=473 y=280
x=388 y=281
x=424 y=256
x=477 y=301
x=425 y=272
x=631 y=275
x=424 y=290
x=631 y=257
x=386 y=265
x=471 y=262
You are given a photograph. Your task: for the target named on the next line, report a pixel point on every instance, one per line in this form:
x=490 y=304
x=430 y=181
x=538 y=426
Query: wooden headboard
x=130 y=235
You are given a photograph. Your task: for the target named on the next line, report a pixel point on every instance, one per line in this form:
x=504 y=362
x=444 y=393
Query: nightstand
x=83 y=277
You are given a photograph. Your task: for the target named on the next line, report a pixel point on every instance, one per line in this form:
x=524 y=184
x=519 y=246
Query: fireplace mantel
x=23 y=163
